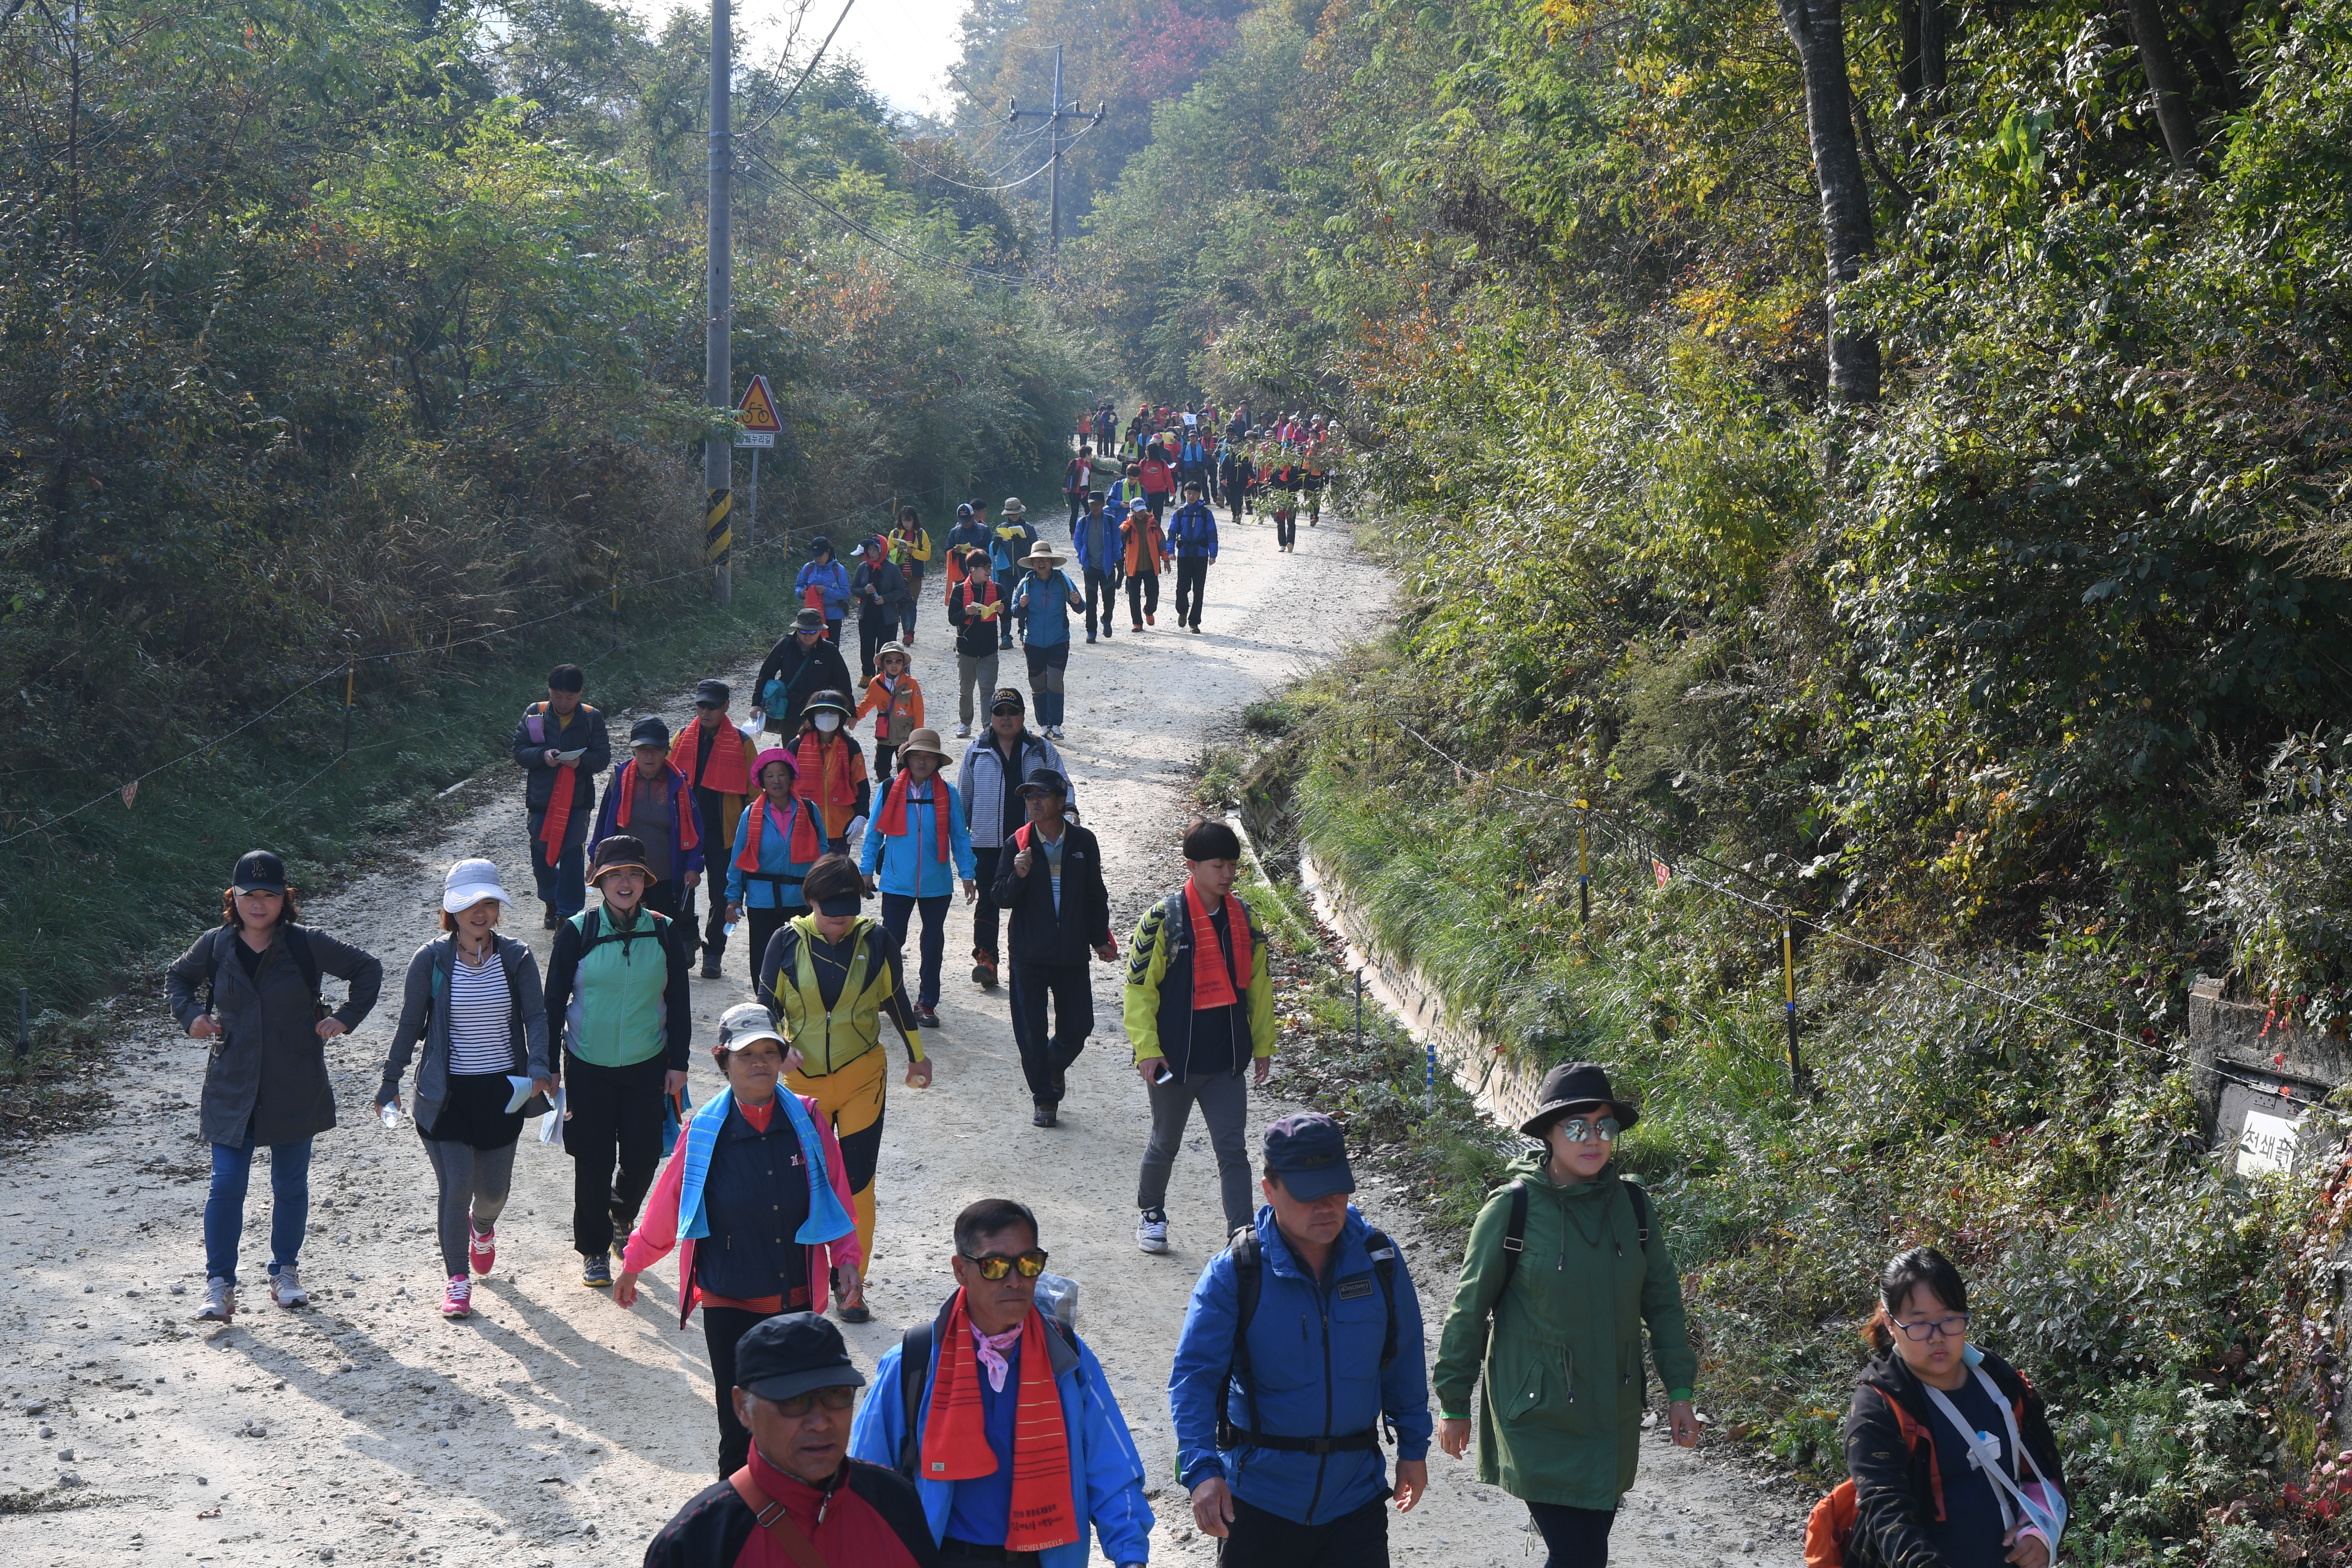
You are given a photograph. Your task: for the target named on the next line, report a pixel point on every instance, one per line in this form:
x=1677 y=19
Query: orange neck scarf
x=807 y=843
x=726 y=772
x=955 y=1436
x=894 y=809
x=824 y=776
x=1212 y=983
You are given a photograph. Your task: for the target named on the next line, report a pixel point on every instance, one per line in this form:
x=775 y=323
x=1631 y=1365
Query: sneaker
x=220 y=1302
x=1196 y=628
x=710 y=970
x=1044 y=1117
x=482 y=1248
x=1151 y=619
x=1137 y=626
x=1152 y=1230
x=927 y=1018
x=983 y=970
x=596 y=1270
x=458 y=1302
x=963 y=732
x=1106 y=631
x=1090 y=636
x=285 y=1287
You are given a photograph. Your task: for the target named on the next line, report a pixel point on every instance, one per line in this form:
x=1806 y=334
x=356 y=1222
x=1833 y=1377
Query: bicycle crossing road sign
x=757 y=412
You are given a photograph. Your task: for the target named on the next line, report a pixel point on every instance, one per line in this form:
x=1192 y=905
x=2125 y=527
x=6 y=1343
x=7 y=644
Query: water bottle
x=390 y=1114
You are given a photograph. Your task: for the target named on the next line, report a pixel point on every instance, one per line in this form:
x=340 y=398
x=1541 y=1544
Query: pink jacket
x=657 y=1230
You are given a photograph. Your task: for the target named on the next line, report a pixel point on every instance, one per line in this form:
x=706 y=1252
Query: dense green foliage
x=2033 y=662
x=373 y=328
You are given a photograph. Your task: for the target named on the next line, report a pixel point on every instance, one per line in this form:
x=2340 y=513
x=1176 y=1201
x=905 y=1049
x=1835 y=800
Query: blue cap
x=1309 y=1153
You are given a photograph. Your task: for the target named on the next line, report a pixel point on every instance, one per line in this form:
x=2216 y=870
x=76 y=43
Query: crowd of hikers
x=990 y=1433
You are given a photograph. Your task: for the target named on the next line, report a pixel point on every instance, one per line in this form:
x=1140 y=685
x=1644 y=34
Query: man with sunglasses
x=794 y=1385
x=1006 y=1425
x=1278 y=1439
x=1565 y=1267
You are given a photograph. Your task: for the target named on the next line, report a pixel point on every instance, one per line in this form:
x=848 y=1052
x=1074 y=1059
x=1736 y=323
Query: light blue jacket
x=1048 y=607
x=1106 y=1473
x=1315 y=1356
x=775 y=860
x=908 y=866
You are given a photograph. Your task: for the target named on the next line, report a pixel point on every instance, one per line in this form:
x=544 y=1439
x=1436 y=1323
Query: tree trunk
x=1933 y=29
x=2172 y=114
x=1818 y=29
x=1909 y=77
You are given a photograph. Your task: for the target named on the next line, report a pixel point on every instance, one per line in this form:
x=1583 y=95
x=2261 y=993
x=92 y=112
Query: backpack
x=1828 y=1527
x=298 y=948
x=915 y=1350
x=1249 y=1279
x=1514 y=1234
x=593 y=935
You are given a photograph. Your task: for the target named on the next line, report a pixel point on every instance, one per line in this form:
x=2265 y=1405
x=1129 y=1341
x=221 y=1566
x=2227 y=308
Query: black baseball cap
x=1007 y=697
x=1309 y=1153
x=711 y=694
x=1045 y=780
x=258 y=871
x=649 y=732
x=793 y=1353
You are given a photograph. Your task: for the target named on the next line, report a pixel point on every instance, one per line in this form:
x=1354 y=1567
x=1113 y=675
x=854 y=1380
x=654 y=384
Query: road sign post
x=757 y=415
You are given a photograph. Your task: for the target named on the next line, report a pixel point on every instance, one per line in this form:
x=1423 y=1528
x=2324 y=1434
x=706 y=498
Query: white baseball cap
x=748 y=1023
x=468 y=883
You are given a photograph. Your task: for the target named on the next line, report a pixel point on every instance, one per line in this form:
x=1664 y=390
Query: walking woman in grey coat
x=250 y=986
x=474 y=998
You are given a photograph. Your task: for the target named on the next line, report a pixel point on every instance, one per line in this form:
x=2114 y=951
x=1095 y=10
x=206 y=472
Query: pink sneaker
x=459 y=1301
x=482 y=1248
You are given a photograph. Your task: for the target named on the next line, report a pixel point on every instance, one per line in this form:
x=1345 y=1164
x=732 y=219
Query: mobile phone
x=1162 y=1076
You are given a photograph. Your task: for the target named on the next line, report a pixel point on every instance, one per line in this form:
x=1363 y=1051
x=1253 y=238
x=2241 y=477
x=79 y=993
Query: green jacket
x=1565 y=1366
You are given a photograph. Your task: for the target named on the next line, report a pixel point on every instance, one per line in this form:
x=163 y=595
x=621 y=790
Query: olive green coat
x=1561 y=1419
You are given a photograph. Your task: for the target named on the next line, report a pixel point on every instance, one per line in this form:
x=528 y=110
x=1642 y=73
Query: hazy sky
x=906 y=46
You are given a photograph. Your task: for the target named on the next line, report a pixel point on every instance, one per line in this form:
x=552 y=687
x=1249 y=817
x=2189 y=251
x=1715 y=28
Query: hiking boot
x=984 y=969
x=1152 y=1230
x=552 y=920
x=458 y=1300
x=927 y=1018
x=1090 y=636
x=1106 y=631
x=481 y=1248
x=285 y=1287
x=220 y=1302
x=710 y=970
x=1137 y=626
x=1042 y=1117
x=596 y=1270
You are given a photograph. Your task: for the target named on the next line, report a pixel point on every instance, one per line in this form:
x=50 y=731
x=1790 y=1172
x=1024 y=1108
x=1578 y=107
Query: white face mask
x=827 y=723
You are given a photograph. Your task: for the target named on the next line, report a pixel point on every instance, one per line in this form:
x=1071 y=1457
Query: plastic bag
x=550 y=1126
x=1057 y=1297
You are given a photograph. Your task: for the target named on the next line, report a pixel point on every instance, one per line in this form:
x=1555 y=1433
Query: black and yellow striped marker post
x=718 y=532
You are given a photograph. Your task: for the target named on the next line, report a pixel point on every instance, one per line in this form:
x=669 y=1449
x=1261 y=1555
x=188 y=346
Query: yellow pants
x=851 y=1096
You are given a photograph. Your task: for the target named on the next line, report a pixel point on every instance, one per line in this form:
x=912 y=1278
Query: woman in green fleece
x=1561 y=1425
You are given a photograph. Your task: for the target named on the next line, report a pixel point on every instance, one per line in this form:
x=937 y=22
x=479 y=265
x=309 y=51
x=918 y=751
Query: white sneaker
x=220 y=1302
x=287 y=1288
x=963 y=732
x=1152 y=1230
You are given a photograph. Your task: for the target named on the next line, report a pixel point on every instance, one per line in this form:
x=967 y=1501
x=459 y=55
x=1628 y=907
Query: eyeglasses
x=995 y=1266
x=836 y=1398
x=1952 y=1327
x=1581 y=1130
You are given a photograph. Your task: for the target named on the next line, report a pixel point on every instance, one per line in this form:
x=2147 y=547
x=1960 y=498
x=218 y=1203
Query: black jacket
x=974 y=635
x=266 y=1077
x=530 y=755
x=888 y=585
x=1037 y=932
x=1890 y=1452
x=820 y=669
x=867 y=1508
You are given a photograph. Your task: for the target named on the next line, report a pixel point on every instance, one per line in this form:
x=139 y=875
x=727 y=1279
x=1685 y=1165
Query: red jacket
x=1158 y=478
x=872 y=1520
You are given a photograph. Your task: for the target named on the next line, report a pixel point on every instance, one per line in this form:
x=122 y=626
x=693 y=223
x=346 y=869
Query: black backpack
x=1249 y=1279
x=298 y=948
x=593 y=935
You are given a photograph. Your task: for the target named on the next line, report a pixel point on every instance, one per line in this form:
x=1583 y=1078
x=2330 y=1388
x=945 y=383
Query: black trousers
x=1574 y=1537
x=1258 y=1538
x=1046 y=1054
x=1285 y=529
x=710 y=816
x=875 y=626
x=614 y=1137
x=1142 y=596
x=663 y=899
x=722 y=1328
x=1104 y=584
x=1192 y=583
x=896 y=911
x=984 y=911
x=763 y=925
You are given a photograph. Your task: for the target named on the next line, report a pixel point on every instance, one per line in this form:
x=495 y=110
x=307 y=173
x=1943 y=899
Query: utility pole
x=719 y=452
x=1053 y=118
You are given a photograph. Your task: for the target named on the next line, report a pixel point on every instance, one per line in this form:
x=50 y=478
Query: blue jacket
x=968 y=536
x=1082 y=539
x=1006 y=554
x=1192 y=531
x=1046 y=612
x=907 y=866
x=834 y=578
x=775 y=860
x=1315 y=1355
x=1106 y=1474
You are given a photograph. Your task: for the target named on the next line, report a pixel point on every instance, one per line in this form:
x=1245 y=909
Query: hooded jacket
x=1560 y=1421
x=1314 y=1362
x=791 y=675
x=1890 y=1452
x=266 y=1073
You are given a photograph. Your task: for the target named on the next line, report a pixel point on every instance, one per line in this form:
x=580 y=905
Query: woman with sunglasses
x=1553 y=1325
x=757 y=1193
x=1921 y=1405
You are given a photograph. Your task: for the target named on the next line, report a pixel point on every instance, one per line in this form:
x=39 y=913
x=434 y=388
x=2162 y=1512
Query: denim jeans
x=289 y=1204
x=896 y=911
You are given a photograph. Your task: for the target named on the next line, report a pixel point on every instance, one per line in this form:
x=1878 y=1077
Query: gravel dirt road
x=554 y=1427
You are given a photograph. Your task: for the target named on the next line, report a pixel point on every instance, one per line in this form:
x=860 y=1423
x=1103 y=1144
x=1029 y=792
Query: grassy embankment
x=2060 y=1166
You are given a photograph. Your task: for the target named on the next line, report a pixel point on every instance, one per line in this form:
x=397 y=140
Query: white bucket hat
x=468 y=883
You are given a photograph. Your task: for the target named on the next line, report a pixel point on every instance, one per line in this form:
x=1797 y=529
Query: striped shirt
x=480 y=1040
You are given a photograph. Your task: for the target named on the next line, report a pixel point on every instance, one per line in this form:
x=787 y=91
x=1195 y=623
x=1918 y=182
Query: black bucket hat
x=1572 y=1084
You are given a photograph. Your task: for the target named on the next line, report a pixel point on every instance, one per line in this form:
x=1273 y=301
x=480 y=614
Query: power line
x=763 y=169
x=1011 y=185
x=805 y=74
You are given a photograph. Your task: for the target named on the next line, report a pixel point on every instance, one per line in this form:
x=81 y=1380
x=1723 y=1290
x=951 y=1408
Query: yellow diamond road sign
x=757 y=412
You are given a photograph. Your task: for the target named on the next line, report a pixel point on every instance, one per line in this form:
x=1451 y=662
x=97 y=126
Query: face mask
x=827 y=723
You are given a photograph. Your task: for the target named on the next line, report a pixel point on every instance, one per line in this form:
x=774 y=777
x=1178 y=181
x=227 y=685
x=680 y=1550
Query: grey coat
x=526 y=1023
x=266 y=1080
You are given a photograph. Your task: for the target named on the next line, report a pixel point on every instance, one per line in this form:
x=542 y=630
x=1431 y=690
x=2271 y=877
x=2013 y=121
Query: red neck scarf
x=955 y=1436
x=806 y=844
x=824 y=776
x=894 y=810
x=558 y=817
x=633 y=779
x=1212 y=983
x=726 y=772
